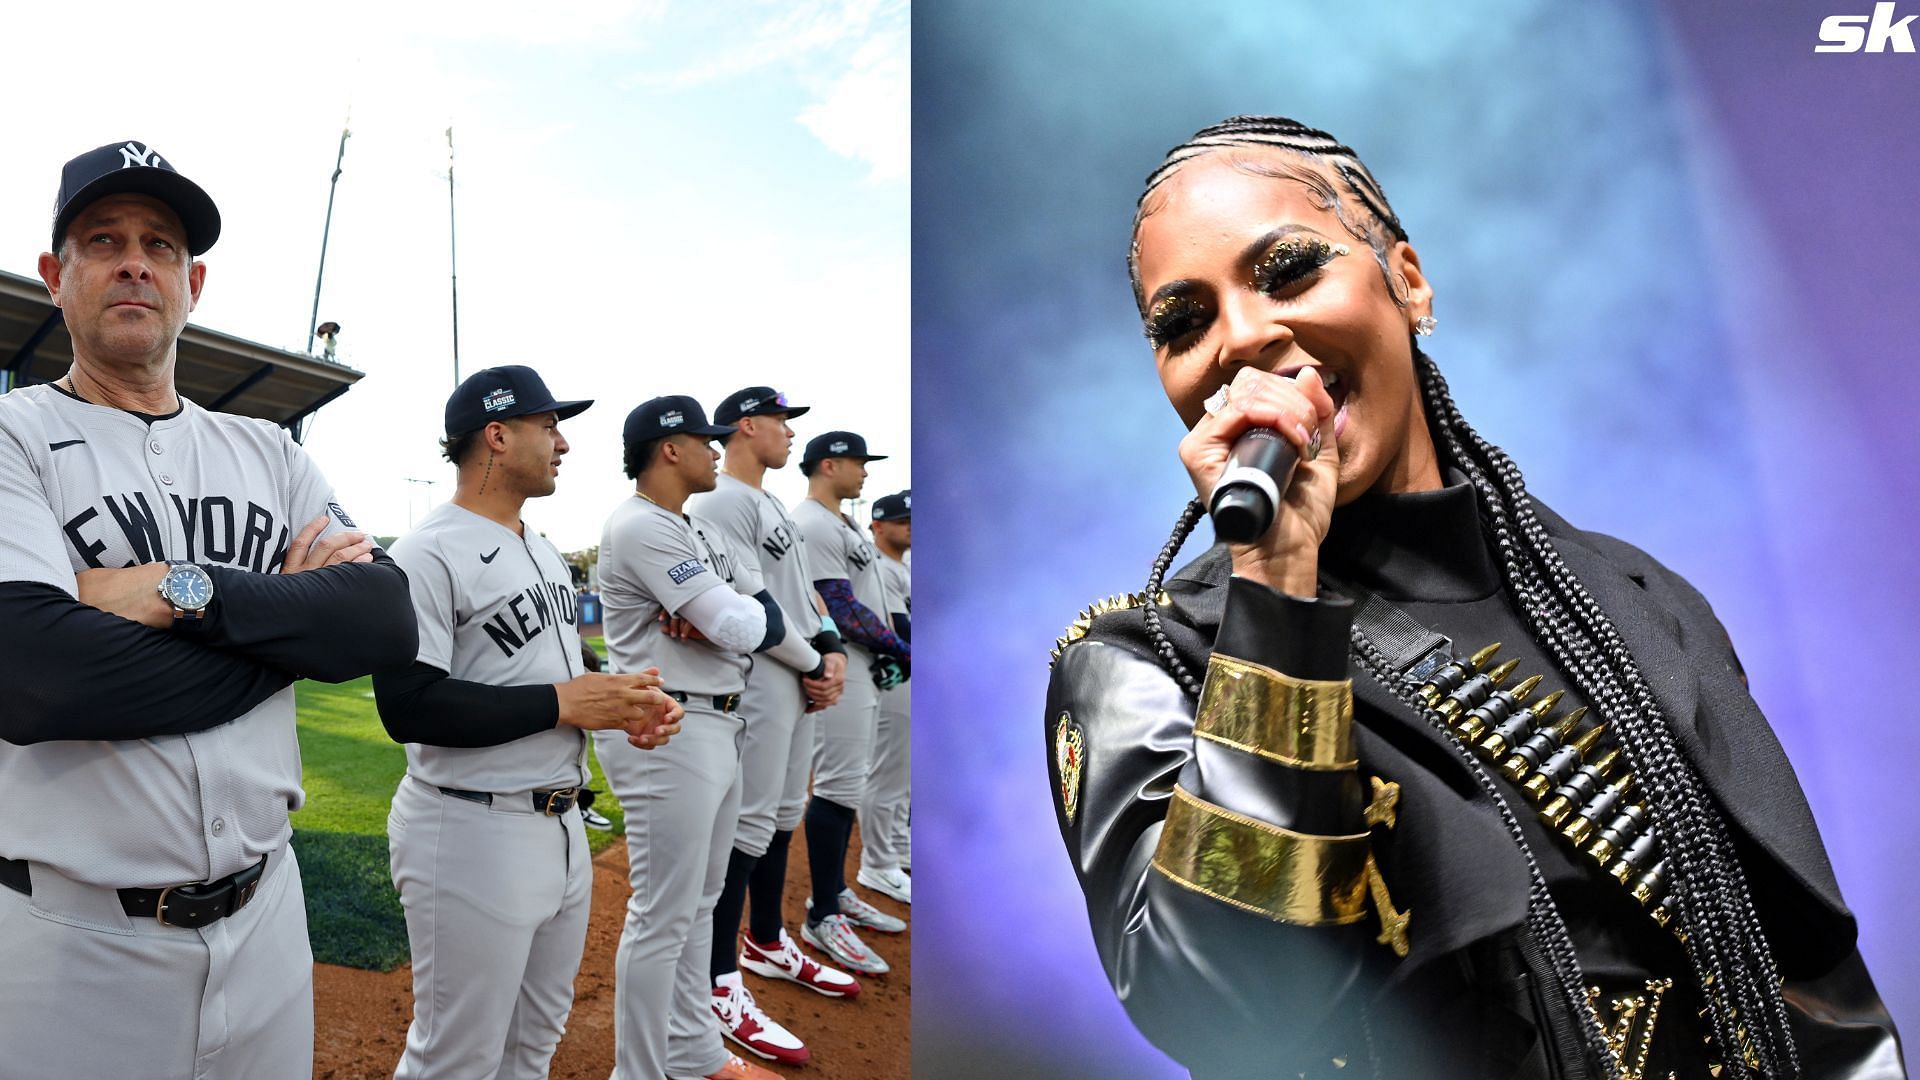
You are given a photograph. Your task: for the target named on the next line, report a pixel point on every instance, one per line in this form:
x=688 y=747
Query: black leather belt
x=550 y=803
x=722 y=702
x=176 y=905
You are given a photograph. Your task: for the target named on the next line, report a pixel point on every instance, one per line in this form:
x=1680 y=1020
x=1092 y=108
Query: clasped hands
x=633 y=702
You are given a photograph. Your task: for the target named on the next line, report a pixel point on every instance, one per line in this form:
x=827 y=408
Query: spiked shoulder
x=1082 y=623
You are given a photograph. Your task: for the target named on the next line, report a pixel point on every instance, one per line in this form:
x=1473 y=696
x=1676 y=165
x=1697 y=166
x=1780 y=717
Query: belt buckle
x=555 y=796
x=244 y=895
x=160 y=906
x=730 y=703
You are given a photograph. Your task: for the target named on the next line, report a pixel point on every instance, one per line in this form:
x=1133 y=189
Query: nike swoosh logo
x=489 y=558
x=64 y=445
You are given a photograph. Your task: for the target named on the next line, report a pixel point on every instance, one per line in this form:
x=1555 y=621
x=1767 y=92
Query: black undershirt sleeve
x=75 y=672
x=776 y=623
x=423 y=705
x=333 y=623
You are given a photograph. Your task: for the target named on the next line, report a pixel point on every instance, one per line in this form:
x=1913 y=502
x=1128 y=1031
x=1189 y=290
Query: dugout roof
x=216 y=370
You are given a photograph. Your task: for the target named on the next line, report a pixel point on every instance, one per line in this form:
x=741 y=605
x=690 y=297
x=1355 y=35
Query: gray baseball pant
x=496 y=900
x=883 y=818
x=87 y=990
x=682 y=804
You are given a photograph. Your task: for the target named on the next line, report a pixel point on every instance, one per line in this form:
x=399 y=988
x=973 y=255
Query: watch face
x=187 y=588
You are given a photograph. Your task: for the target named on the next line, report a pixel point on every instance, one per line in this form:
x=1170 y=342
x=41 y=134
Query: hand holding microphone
x=1267 y=463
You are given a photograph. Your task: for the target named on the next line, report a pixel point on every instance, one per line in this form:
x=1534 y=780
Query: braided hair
x=1730 y=957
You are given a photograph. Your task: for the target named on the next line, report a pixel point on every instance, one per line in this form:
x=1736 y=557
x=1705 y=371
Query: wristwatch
x=189 y=589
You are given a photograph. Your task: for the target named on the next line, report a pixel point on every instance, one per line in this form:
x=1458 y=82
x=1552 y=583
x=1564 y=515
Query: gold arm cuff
x=1305 y=723
x=1260 y=868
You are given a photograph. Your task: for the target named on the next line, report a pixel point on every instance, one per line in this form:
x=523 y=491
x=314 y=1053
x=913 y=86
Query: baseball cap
x=895 y=507
x=756 y=401
x=500 y=393
x=133 y=167
x=837 y=444
x=675 y=414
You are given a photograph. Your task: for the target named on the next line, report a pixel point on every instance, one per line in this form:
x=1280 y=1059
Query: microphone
x=1258 y=470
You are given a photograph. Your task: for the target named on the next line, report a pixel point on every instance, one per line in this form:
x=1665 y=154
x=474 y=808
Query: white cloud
x=867 y=114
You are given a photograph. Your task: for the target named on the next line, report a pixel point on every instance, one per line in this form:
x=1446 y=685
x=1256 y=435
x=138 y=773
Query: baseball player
x=484 y=838
x=778 y=750
x=682 y=803
x=847 y=574
x=883 y=820
x=165 y=574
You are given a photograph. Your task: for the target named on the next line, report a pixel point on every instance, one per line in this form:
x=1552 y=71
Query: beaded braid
x=1729 y=954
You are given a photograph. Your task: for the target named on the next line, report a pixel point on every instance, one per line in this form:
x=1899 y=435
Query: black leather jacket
x=1233 y=994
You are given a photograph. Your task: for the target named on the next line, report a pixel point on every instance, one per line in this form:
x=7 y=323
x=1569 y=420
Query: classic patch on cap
x=497 y=400
x=672 y=419
x=1069 y=757
x=837 y=447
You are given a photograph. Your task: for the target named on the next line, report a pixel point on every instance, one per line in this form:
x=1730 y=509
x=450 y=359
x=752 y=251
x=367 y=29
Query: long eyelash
x=1289 y=261
x=1173 y=318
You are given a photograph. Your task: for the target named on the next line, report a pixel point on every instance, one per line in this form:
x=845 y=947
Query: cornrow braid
x=1370 y=217
x=1728 y=952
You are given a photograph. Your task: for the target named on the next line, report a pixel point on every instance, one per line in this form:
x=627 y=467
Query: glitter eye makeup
x=1174 y=317
x=1291 y=260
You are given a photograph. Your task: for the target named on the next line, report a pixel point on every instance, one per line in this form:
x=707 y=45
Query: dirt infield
x=361 y=1016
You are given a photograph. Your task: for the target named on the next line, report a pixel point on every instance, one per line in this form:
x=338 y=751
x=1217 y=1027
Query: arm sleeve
x=734 y=622
x=75 y=672
x=332 y=624
x=857 y=622
x=1212 y=957
x=423 y=705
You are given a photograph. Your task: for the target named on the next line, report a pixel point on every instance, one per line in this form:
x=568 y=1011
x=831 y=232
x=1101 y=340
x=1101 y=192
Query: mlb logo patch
x=686 y=571
x=672 y=419
x=500 y=399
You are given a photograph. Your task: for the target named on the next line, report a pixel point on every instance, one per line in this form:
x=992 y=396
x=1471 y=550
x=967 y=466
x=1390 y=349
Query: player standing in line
x=884 y=831
x=847 y=574
x=777 y=710
x=152 y=922
x=658 y=567
x=490 y=860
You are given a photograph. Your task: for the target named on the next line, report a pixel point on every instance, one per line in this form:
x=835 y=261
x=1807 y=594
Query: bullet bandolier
x=1299 y=863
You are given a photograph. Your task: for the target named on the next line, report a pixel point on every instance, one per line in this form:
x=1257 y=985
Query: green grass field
x=351 y=769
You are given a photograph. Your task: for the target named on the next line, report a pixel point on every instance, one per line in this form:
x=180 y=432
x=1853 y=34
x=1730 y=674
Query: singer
x=1422 y=781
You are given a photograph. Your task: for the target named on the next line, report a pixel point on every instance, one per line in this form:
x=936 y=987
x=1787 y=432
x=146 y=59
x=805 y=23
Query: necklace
x=74 y=390
x=651 y=499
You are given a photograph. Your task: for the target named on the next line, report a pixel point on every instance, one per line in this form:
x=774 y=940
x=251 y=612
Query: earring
x=1424 y=325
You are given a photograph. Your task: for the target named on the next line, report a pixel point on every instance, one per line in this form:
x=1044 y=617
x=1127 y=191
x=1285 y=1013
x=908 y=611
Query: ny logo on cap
x=499 y=399
x=838 y=448
x=134 y=154
x=672 y=419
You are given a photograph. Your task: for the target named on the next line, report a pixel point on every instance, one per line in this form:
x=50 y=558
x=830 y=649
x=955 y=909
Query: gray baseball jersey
x=86 y=486
x=654 y=560
x=754 y=524
x=899 y=582
x=837 y=549
x=498 y=608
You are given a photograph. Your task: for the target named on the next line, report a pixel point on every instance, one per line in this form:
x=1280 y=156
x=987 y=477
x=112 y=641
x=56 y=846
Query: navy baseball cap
x=756 y=401
x=501 y=393
x=675 y=414
x=895 y=507
x=837 y=444
x=132 y=167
